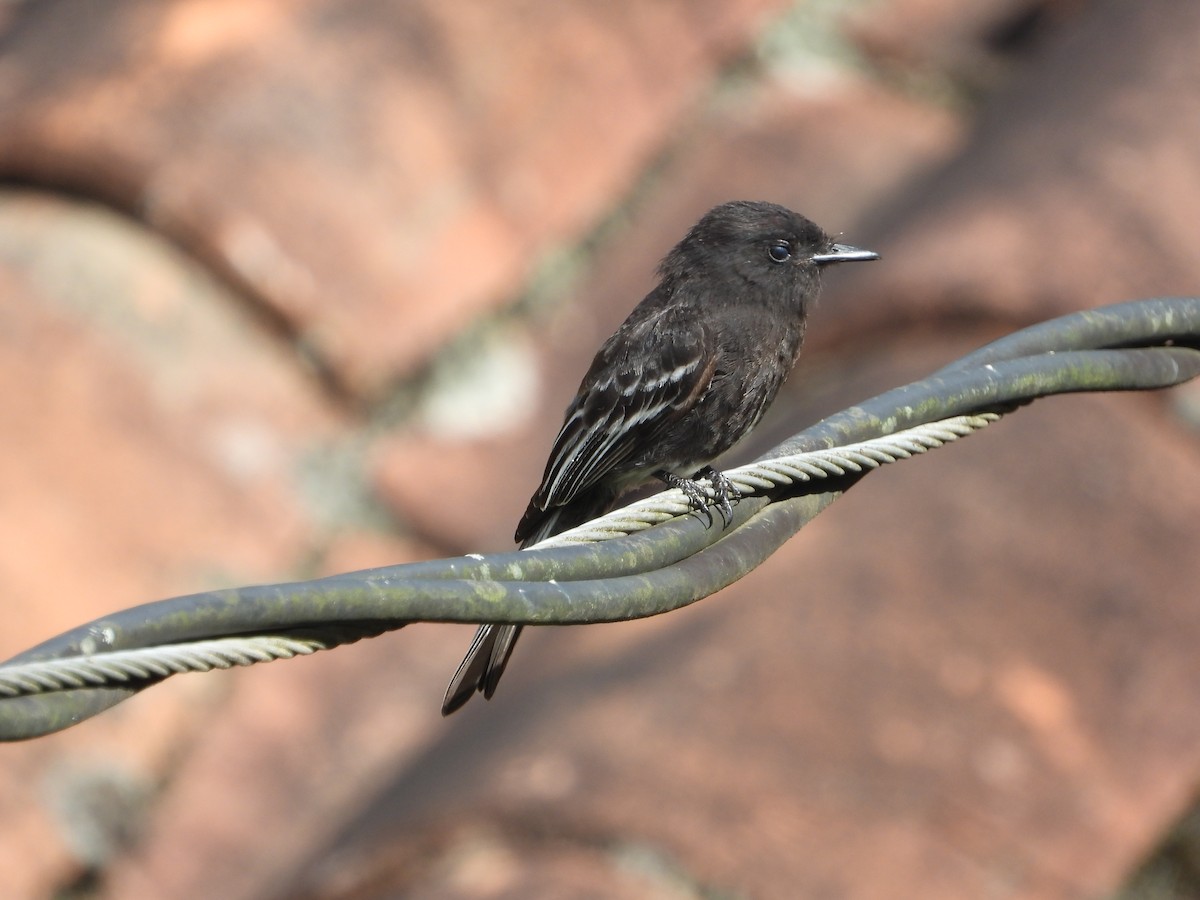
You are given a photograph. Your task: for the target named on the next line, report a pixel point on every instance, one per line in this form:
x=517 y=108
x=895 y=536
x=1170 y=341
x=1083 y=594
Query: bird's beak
x=840 y=253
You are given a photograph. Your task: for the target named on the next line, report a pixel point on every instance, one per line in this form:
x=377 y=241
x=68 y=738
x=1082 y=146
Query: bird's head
x=749 y=244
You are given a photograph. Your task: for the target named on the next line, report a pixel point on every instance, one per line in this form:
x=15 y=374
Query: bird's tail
x=488 y=654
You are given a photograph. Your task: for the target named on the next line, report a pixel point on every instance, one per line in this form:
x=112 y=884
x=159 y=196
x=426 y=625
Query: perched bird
x=685 y=377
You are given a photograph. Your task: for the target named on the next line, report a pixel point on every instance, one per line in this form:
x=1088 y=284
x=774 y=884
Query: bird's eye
x=780 y=251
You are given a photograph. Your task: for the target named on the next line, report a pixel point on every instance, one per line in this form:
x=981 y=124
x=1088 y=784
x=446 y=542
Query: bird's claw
x=724 y=492
x=697 y=497
x=721 y=494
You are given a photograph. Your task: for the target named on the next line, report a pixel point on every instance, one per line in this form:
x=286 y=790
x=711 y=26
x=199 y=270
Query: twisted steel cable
x=797 y=468
x=103 y=668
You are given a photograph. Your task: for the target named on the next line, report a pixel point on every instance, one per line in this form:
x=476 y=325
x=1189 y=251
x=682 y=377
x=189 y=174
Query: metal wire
x=152 y=663
x=760 y=477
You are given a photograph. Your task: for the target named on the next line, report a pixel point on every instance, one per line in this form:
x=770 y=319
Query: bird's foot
x=721 y=494
x=697 y=497
x=724 y=492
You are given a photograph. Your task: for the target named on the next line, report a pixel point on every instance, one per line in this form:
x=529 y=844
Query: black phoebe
x=685 y=377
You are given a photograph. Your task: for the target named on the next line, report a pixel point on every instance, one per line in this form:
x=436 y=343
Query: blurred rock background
x=292 y=287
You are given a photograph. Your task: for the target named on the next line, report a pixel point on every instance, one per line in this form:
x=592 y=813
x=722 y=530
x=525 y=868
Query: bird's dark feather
x=623 y=403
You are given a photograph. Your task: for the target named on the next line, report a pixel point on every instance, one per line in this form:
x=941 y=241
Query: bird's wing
x=647 y=375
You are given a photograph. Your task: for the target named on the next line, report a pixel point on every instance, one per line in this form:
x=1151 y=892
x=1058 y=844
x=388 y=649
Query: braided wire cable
x=119 y=667
x=797 y=468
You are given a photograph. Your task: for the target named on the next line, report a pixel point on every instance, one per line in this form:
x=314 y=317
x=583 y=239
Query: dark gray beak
x=840 y=253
